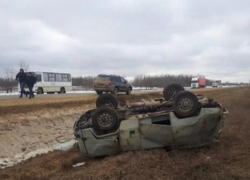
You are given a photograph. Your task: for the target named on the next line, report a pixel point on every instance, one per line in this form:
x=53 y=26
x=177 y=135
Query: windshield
x=194 y=81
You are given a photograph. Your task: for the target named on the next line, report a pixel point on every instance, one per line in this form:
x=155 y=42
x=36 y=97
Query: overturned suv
x=179 y=120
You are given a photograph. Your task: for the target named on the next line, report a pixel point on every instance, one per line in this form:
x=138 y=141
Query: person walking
x=21 y=77
x=30 y=81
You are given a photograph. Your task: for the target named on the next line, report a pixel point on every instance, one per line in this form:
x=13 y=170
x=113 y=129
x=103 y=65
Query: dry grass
x=15 y=106
x=228 y=159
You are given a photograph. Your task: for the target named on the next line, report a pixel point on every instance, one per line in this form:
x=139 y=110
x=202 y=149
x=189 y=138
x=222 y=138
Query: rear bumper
x=108 y=89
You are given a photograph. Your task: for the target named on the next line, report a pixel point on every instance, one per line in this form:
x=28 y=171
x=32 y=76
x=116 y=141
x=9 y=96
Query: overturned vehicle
x=179 y=120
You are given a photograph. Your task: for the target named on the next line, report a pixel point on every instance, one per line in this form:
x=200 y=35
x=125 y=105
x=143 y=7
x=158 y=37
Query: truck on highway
x=198 y=82
x=216 y=83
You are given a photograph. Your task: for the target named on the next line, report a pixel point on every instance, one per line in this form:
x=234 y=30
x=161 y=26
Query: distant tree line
x=7 y=84
x=150 y=81
x=84 y=82
x=7 y=81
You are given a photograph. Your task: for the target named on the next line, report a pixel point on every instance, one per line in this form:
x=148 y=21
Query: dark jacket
x=21 y=76
x=30 y=81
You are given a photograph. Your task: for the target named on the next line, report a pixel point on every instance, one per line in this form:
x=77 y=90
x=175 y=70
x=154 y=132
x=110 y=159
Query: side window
x=52 y=77
x=123 y=80
x=46 y=77
x=65 y=78
x=58 y=78
x=69 y=78
x=38 y=78
x=117 y=79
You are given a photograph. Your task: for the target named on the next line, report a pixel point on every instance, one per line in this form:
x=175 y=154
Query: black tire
x=62 y=90
x=116 y=90
x=105 y=119
x=106 y=99
x=171 y=90
x=129 y=91
x=98 y=92
x=185 y=104
x=40 y=90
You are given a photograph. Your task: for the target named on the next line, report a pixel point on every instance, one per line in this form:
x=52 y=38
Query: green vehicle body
x=155 y=130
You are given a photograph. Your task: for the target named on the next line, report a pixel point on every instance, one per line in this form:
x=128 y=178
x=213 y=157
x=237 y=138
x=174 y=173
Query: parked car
x=111 y=83
x=180 y=120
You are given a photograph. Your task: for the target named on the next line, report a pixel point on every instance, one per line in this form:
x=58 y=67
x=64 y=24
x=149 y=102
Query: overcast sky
x=128 y=37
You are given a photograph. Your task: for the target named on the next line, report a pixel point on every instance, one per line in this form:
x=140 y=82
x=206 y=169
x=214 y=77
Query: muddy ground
x=24 y=131
x=29 y=127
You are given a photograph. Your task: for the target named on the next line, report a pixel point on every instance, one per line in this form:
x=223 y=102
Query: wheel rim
x=115 y=91
x=171 y=91
x=105 y=120
x=185 y=104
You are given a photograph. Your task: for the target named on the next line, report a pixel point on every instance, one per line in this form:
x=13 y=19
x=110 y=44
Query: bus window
x=38 y=78
x=45 y=77
x=52 y=77
x=58 y=77
x=65 y=78
x=69 y=78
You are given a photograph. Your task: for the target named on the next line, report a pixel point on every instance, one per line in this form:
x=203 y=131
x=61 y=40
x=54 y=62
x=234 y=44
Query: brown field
x=228 y=159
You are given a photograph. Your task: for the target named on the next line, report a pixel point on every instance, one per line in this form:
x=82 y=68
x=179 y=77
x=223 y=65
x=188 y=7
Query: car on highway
x=111 y=83
x=179 y=120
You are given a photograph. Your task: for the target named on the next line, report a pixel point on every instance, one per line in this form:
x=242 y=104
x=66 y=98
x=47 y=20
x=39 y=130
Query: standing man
x=31 y=81
x=21 y=76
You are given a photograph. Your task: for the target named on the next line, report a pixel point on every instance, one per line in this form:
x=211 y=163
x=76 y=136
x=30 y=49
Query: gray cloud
x=128 y=38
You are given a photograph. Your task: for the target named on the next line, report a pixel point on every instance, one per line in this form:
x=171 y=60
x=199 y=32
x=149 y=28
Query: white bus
x=51 y=82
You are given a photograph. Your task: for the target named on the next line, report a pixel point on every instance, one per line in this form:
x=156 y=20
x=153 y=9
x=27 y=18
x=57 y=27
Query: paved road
x=13 y=100
x=53 y=98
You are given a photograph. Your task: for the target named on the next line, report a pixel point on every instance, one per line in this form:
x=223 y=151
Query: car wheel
x=98 y=92
x=129 y=91
x=62 y=90
x=106 y=119
x=171 y=90
x=115 y=92
x=40 y=91
x=106 y=99
x=185 y=104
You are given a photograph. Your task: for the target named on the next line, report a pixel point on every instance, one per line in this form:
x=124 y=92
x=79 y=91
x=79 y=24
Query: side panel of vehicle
x=202 y=82
x=123 y=85
x=93 y=146
x=155 y=136
x=129 y=135
x=116 y=82
x=51 y=87
x=142 y=134
x=198 y=83
x=195 y=131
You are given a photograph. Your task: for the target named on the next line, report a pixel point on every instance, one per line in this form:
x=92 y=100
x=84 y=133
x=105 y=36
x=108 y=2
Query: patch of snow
x=8 y=162
x=81 y=92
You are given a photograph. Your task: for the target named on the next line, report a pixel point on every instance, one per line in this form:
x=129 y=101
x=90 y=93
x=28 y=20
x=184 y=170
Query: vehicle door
x=124 y=84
